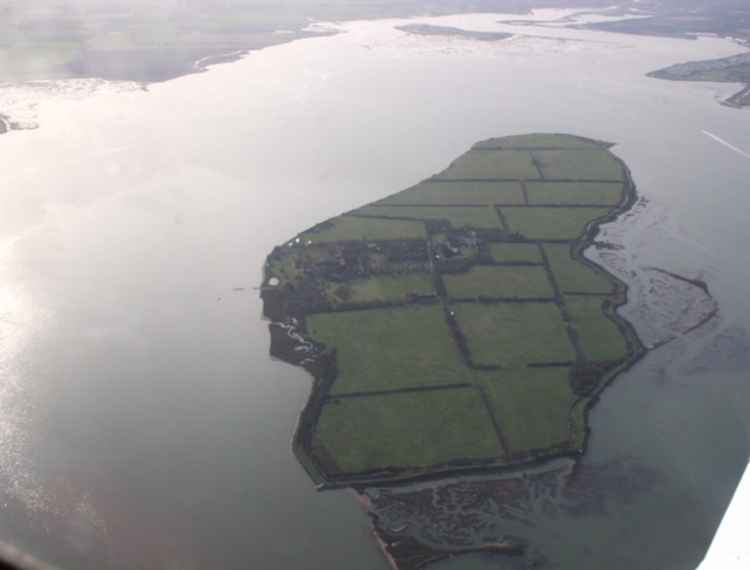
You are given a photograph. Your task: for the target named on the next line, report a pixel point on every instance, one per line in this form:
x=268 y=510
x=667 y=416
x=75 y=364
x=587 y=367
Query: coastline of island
x=732 y=69
x=292 y=342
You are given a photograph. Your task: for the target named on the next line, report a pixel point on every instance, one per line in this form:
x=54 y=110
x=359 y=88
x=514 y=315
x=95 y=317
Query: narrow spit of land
x=734 y=69
x=450 y=31
x=456 y=325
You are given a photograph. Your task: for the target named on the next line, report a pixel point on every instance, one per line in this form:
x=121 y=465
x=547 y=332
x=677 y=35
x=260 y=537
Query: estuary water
x=142 y=422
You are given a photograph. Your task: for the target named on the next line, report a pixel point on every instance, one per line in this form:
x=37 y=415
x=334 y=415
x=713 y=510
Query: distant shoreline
x=732 y=69
x=126 y=66
x=450 y=31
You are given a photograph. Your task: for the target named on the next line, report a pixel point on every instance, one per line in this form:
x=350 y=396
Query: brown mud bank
x=419 y=525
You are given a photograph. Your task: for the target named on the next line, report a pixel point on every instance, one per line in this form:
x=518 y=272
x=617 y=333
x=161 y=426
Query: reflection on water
x=15 y=467
x=139 y=405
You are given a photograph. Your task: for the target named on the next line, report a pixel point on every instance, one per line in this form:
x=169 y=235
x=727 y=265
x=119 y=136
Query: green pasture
x=551 y=223
x=479 y=217
x=511 y=334
x=584 y=193
x=597 y=164
x=497 y=281
x=532 y=406
x=350 y=228
x=379 y=289
x=488 y=164
x=515 y=252
x=416 y=429
x=600 y=338
x=574 y=276
x=536 y=140
x=385 y=349
x=477 y=193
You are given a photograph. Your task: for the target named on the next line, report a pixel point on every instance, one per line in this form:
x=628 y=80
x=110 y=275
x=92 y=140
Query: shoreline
x=148 y=63
x=117 y=66
x=201 y=64
x=730 y=69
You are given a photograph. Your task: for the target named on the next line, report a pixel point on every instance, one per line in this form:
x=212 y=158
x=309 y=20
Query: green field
x=379 y=289
x=600 y=337
x=417 y=429
x=457 y=193
x=551 y=223
x=384 y=349
x=487 y=164
x=542 y=140
x=471 y=217
x=562 y=193
x=494 y=281
x=515 y=252
x=500 y=333
x=531 y=406
x=574 y=276
x=348 y=228
x=579 y=164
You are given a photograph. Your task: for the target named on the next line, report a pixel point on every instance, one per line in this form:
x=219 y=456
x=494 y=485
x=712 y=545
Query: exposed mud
x=729 y=351
x=419 y=525
x=664 y=303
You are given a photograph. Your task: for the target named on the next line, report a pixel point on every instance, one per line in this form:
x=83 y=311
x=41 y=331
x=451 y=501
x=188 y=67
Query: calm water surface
x=142 y=423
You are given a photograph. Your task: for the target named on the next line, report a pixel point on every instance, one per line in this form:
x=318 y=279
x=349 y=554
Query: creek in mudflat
x=143 y=423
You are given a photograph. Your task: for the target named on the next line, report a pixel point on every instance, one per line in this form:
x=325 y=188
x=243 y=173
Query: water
x=143 y=424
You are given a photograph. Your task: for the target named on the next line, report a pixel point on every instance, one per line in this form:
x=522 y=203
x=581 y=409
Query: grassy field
x=551 y=223
x=501 y=334
x=544 y=140
x=478 y=164
x=380 y=289
x=532 y=406
x=515 y=252
x=596 y=193
x=470 y=217
x=385 y=349
x=407 y=430
x=600 y=337
x=494 y=281
x=573 y=275
x=347 y=228
x=452 y=193
x=579 y=164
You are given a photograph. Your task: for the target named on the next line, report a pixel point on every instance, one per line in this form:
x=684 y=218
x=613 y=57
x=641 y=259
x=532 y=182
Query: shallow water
x=143 y=423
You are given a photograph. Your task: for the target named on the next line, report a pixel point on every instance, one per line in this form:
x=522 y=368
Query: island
x=456 y=326
x=432 y=30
